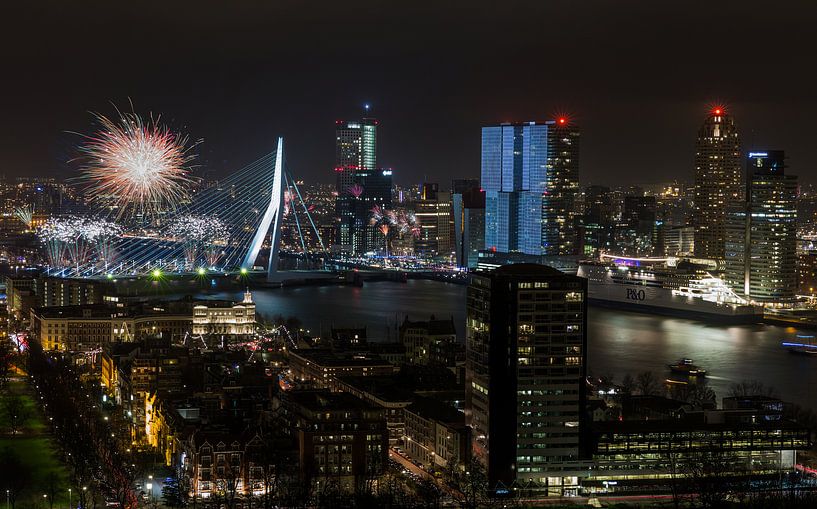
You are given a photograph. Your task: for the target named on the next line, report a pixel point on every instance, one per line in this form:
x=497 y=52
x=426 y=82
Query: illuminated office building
x=355 y=150
x=525 y=368
x=718 y=182
x=530 y=176
x=761 y=234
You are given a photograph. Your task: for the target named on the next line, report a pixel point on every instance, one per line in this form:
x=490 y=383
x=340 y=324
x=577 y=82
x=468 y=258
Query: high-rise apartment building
x=526 y=359
x=761 y=234
x=718 y=182
x=530 y=177
x=355 y=150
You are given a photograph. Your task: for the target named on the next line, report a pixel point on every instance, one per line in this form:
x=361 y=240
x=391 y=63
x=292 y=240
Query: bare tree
x=16 y=410
x=16 y=477
x=751 y=388
x=711 y=475
x=647 y=384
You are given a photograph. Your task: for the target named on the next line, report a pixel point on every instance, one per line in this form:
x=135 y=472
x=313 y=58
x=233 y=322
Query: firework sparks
x=200 y=232
x=356 y=190
x=25 y=214
x=65 y=235
x=138 y=167
x=102 y=234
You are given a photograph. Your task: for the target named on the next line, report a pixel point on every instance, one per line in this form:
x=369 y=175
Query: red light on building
x=717 y=111
x=562 y=120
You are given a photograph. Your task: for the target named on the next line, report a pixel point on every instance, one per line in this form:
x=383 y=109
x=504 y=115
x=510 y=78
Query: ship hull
x=691 y=311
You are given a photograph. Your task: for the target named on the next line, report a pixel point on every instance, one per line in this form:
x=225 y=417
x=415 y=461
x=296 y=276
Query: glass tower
x=355 y=151
x=530 y=176
x=761 y=233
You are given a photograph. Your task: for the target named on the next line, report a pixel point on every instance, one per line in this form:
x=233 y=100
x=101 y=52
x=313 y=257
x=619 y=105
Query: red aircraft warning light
x=717 y=111
x=562 y=121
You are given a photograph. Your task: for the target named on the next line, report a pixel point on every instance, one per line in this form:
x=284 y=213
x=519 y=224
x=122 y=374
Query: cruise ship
x=668 y=286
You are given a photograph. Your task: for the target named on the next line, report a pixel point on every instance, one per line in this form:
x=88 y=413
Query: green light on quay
x=243 y=270
x=157 y=273
x=201 y=271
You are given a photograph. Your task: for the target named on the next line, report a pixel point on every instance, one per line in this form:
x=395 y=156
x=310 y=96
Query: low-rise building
x=341 y=438
x=643 y=455
x=436 y=435
x=430 y=342
x=322 y=366
x=224 y=318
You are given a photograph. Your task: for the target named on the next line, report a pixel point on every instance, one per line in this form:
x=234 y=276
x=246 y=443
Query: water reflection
x=619 y=342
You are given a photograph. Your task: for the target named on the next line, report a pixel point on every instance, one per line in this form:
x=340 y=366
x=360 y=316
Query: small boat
x=803 y=345
x=686 y=367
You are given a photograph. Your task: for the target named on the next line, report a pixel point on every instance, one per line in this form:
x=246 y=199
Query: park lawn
x=35 y=449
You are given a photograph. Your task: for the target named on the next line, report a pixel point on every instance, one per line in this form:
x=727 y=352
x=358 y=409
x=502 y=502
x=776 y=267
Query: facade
x=341 y=439
x=223 y=318
x=322 y=367
x=436 y=435
x=679 y=241
x=646 y=455
x=595 y=233
x=525 y=375
x=530 y=177
x=761 y=241
x=807 y=273
x=87 y=328
x=718 y=182
x=429 y=342
x=468 y=209
x=355 y=150
x=433 y=213
x=375 y=187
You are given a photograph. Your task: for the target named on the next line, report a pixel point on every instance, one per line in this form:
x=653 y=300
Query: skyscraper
x=526 y=359
x=375 y=188
x=718 y=181
x=761 y=234
x=530 y=177
x=355 y=150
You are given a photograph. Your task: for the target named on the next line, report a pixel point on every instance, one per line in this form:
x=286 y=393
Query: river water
x=619 y=342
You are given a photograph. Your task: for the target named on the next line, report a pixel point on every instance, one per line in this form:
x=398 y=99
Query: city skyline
x=251 y=96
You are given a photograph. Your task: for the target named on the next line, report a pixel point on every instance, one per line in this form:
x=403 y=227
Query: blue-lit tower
x=530 y=177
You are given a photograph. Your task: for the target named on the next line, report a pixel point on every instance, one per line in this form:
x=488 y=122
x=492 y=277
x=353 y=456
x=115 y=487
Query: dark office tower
x=530 y=177
x=468 y=210
x=376 y=186
x=525 y=367
x=761 y=241
x=718 y=182
x=638 y=226
x=595 y=232
x=355 y=150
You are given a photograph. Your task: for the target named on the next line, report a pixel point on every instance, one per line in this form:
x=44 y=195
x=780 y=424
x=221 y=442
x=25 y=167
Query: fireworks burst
x=200 y=232
x=65 y=235
x=136 y=166
x=25 y=214
x=103 y=235
x=402 y=221
x=356 y=190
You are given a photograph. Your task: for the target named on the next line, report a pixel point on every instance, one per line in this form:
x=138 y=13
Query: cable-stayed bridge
x=221 y=229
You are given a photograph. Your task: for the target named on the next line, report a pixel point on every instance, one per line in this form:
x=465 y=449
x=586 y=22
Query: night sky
x=638 y=77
